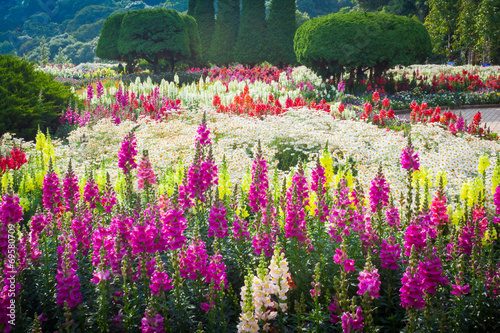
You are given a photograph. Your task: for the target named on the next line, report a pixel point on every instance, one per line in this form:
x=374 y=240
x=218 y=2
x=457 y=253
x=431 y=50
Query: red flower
x=477 y=118
x=385 y=102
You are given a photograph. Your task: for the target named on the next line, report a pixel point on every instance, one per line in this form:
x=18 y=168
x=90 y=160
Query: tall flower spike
x=51 y=197
x=128 y=152
x=379 y=192
x=71 y=191
x=145 y=173
x=409 y=157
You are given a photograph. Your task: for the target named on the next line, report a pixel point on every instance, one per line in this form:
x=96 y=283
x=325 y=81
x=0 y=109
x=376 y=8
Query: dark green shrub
x=29 y=99
x=226 y=32
x=250 y=48
x=281 y=27
x=358 y=41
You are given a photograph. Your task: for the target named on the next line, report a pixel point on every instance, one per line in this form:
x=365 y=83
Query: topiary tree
x=250 y=47
x=281 y=27
x=194 y=41
x=153 y=35
x=28 y=98
x=226 y=32
x=107 y=45
x=358 y=41
x=204 y=13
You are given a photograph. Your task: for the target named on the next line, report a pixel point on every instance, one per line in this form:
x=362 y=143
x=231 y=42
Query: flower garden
x=252 y=200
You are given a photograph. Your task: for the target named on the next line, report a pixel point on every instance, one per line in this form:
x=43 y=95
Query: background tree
x=194 y=41
x=107 y=46
x=281 y=27
x=316 y=8
x=153 y=35
x=250 y=46
x=204 y=13
x=358 y=41
x=371 y=5
x=488 y=28
x=226 y=31
x=466 y=35
x=191 y=7
x=441 y=22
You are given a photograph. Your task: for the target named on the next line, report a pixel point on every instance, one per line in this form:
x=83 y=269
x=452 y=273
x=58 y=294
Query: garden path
x=490 y=116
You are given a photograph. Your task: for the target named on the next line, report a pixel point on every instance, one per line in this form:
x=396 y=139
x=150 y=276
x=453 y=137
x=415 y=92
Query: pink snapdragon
x=379 y=192
x=127 y=153
x=145 y=173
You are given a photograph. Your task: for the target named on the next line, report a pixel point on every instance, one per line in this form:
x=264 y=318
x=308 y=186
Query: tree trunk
x=172 y=63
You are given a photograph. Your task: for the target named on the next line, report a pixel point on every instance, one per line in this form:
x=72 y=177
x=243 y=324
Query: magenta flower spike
x=152 y=322
x=217 y=222
x=390 y=254
x=352 y=322
x=369 y=282
x=91 y=193
x=431 y=270
x=257 y=195
x=413 y=290
x=379 y=192
x=193 y=261
x=145 y=173
x=68 y=283
x=216 y=271
x=127 y=153
x=71 y=191
x=174 y=224
x=160 y=280
x=51 y=197
x=409 y=157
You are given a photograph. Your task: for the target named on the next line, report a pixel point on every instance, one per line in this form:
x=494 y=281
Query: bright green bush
x=29 y=99
x=342 y=42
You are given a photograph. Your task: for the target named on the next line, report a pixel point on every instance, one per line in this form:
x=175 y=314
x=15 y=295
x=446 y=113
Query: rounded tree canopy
x=342 y=42
x=154 y=34
x=150 y=34
x=107 y=46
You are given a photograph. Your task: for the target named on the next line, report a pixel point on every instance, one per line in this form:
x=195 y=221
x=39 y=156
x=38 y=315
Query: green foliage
x=316 y=8
x=301 y=18
x=107 y=46
x=28 y=98
x=87 y=32
x=81 y=52
x=281 y=27
x=6 y=47
x=333 y=44
x=191 y=7
x=88 y=15
x=194 y=40
x=226 y=32
x=204 y=13
x=250 y=46
x=60 y=41
x=154 y=34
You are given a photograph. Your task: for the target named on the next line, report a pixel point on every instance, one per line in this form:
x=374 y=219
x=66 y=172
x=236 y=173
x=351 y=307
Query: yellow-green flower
x=483 y=164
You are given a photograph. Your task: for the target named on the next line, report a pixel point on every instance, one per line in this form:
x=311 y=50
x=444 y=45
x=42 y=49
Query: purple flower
x=99 y=89
x=413 y=290
x=100 y=275
x=71 y=191
x=11 y=211
x=459 y=290
x=390 y=254
x=108 y=198
x=174 y=224
x=460 y=124
x=295 y=221
x=379 y=192
x=240 y=228
x=90 y=92
x=432 y=274
x=217 y=223
x=81 y=227
x=91 y=193
x=127 y=153
x=145 y=173
x=352 y=321
x=68 y=283
x=409 y=158
x=415 y=236
x=392 y=216
x=340 y=257
x=193 y=261
x=369 y=282
x=257 y=195
x=216 y=271
x=152 y=322
x=51 y=197
x=160 y=280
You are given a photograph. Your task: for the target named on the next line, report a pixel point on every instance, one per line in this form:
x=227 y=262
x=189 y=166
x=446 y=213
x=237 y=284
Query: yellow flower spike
x=326 y=161
x=442 y=174
x=100 y=179
x=483 y=164
x=415 y=177
x=464 y=190
x=456 y=216
x=224 y=180
x=39 y=175
x=28 y=183
x=6 y=180
x=247 y=179
x=350 y=179
x=486 y=238
x=311 y=206
x=495 y=179
x=40 y=141
x=477 y=189
x=25 y=203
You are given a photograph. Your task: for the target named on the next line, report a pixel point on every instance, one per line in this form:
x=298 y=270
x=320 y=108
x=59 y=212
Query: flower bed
x=141 y=228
